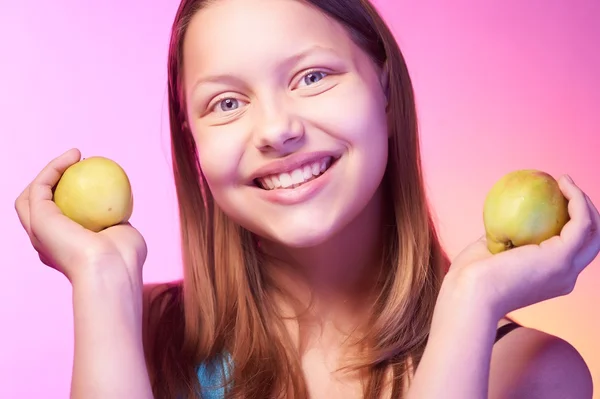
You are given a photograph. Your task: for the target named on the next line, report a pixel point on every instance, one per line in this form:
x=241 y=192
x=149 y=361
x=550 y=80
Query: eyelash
x=304 y=75
x=314 y=71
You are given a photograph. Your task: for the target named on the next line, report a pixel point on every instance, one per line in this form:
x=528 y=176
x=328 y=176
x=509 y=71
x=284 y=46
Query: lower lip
x=291 y=196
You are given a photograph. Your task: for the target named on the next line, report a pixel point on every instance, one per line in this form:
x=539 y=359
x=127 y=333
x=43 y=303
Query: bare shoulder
x=528 y=363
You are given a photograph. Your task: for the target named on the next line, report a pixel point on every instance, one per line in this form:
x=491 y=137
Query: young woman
x=312 y=267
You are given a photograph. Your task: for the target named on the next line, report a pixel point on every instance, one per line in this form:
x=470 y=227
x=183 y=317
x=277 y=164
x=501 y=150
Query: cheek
x=219 y=153
x=362 y=125
x=353 y=113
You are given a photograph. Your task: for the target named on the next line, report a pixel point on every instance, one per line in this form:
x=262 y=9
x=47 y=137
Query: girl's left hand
x=530 y=274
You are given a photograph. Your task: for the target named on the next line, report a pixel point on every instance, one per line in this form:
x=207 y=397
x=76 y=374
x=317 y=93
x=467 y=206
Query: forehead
x=230 y=34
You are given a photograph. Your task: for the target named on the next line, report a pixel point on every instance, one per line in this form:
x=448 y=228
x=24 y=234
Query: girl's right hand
x=64 y=244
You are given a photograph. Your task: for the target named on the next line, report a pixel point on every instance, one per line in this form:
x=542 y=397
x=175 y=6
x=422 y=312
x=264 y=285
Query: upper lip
x=290 y=163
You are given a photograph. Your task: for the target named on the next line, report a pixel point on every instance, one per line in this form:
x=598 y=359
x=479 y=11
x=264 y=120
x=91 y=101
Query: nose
x=278 y=130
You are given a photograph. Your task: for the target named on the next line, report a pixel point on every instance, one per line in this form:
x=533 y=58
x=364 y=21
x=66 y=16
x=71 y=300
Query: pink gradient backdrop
x=499 y=87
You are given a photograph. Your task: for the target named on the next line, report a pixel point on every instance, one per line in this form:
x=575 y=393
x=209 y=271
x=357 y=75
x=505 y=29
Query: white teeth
x=307 y=172
x=269 y=183
x=285 y=179
x=325 y=164
x=275 y=181
x=316 y=169
x=296 y=177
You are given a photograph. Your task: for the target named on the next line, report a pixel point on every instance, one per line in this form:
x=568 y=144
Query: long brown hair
x=219 y=306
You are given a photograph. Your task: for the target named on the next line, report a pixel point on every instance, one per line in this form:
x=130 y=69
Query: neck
x=337 y=280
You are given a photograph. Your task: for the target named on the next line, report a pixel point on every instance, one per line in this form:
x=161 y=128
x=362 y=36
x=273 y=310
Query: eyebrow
x=286 y=63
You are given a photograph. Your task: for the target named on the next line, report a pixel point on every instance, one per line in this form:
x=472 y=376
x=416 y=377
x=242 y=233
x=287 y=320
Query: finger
x=474 y=252
x=595 y=230
x=590 y=251
x=575 y=233
x=40 y=191
x=45 y=217
x=22 y=208
x=41 y=187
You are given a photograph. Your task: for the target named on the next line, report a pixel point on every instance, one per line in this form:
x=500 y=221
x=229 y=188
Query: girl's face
x=288 y=115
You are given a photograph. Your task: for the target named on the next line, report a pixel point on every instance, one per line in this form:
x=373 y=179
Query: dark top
x=505 y=329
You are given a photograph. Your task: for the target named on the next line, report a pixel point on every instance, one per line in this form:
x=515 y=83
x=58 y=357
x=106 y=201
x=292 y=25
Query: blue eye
x=313 y=77
x=228 y=104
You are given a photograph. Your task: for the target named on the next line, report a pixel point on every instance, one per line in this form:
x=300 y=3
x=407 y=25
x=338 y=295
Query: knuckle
x=587 y=224
x=573 y=281
x=567 y=288
x=23 y=194
x=19 y=204
x=46 y=260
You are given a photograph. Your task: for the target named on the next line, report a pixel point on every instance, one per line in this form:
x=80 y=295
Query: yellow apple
x=523 y=207
x=96 y=193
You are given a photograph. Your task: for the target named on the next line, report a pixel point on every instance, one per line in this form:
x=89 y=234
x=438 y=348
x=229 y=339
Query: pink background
x=514 y=79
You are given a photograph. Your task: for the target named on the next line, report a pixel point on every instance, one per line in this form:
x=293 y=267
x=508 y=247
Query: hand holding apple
x=548 y=254
x=85 y=230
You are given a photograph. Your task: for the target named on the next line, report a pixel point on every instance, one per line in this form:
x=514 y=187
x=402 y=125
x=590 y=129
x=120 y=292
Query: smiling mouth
x=297 y=177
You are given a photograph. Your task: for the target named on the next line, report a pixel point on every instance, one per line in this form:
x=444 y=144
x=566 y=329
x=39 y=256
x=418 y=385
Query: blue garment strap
x=210 y=376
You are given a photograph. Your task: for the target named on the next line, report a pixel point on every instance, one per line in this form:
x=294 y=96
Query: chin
x=302 y=239
x=306 y=233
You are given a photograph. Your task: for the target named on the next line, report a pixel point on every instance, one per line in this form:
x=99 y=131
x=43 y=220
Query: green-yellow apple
x=523 y=207
x=96 y=193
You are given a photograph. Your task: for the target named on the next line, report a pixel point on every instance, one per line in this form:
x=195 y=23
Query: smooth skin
x=276 y=112
x=105 y=270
